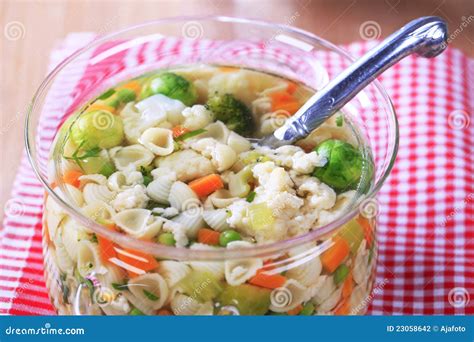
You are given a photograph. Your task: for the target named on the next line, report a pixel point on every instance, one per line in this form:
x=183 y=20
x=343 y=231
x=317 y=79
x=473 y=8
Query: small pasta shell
x=222 y=198
x=158 y=140
x=173 y=271
x=136 y=222
x=98 y=211
x=88 y=260
x=182 y=197
x=97 y=193
x=191 y=220
x=94 y=178
x=183 y=305
x=288 y=297
x=155 y=285
x=159 y=189
x=216 y=219
x=218 y=131
x=135 y=155
x=239 y=271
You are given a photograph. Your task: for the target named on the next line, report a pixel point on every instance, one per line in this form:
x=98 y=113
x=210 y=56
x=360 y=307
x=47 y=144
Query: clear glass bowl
x=262 y=46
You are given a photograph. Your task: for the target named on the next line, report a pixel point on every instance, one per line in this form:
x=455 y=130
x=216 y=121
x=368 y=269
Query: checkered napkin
x=426 y=207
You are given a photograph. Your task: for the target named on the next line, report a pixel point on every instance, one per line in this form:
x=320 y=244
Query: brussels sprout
x=120 y=97
x=232 y=112
x=98 y=128
x=344 y=166
x=171 y=85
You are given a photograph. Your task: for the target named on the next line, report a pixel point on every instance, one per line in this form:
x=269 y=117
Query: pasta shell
x=53 y=220
x=72 y=195
x=331 y=301
x=94 y=178
x=138 y=223
x=63 y=260
x=239 y=271
x=183 y=305
x=133 y=155
x=216 y=219
x=222 y=198
x=118 y=305
x=182 y=197
x=160 y=188
x=156 y=287
x=158 y=140
x=71 y=235
x=98 y=211
x=305 y=267
x=325 y=291
x=191 y=220
x=288 y=297
x=173 y=271
x=216 y=268
x=218 y=131
x=88 y=260
x=97 y=193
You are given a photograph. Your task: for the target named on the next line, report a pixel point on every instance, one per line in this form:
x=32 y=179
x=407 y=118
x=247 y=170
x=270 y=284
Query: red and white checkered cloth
x=426 y=207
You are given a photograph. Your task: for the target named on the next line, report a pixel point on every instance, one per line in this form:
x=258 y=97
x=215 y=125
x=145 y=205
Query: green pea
x=136 y=312
x=340 y=274
x=167 y=239
x=308 y=309
x=229 y=236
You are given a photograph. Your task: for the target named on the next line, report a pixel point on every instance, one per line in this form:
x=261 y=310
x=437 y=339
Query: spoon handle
x=426 y=36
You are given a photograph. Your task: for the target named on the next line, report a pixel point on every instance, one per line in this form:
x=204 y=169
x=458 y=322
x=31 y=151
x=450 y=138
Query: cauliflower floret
x=187 y=165
x=305 y=163
x=134 y=197
x=238 y=215
x=318 y=195
x=197 y=117
x=223 y=156
x=341 y=204
x=178 y=231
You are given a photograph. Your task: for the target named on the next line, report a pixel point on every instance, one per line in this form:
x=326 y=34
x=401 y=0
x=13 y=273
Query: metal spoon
x=425 y=36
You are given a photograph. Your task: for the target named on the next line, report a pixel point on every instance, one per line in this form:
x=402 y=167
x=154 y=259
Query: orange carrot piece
x=347 y=286
x=72 y=177
x=208 y=236
x=367 y=227
x=132 y=85
x=291 y=87
x=106 y=249
x=179 y=130
x=100 y=106
x=206 y=185
x=269 y=281
x=344 y=308
x=289 y=107
x=295 y=311
x=137 y=263
x=334 y=256
x=164 y=312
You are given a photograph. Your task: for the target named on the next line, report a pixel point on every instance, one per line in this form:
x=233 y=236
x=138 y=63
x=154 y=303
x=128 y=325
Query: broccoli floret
x=171 y=85
x=232 y=112
x=344 y=166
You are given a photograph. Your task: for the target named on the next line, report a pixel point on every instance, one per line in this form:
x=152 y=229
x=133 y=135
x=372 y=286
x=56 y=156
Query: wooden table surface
x=41 y=23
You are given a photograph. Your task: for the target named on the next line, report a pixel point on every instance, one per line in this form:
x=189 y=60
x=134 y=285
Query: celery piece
x=260 y=216
x=248 y=299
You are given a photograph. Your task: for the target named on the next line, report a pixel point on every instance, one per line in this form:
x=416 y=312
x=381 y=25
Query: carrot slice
x=369 y=235
x=132 y=85
x=334 y=256
x=106 y=249
x=135 y=262
x=100 y=106
x=291 y=87
x=179 y=130
x=284 y=101
x=72 y=177
x=206 y=185
x=227 y=69
x=269 y=281
x=164 y=312
x=295 y=311
x=208 y=236
x=344 y=308
x=347 y=286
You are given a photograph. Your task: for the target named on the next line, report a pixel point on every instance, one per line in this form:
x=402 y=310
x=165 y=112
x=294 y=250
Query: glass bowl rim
x=183 y=253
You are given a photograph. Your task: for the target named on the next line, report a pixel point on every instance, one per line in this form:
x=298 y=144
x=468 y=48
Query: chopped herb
x=64 y=288
x=251 y=196
x=120 y=287
x=93 y=152
x=106 y=94
x=151 y=296
x=147 y=177
x=94 y=238
x=339 y=121
x=190 y=134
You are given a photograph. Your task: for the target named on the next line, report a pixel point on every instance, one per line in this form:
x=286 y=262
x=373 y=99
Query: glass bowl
x=304 y=274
